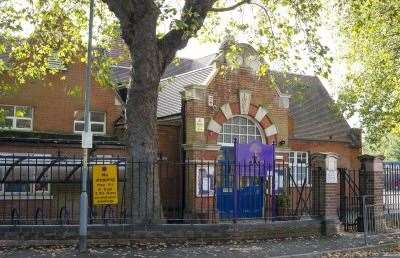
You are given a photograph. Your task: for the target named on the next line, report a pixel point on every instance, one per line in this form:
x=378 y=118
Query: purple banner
x=255 y=158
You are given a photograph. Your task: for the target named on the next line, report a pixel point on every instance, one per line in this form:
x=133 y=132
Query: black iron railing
x=350 y=202
x=46 y=189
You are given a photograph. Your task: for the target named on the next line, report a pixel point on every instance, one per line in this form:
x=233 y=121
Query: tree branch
x=230 y=8
x=268 y=16
x=193 y=15
x=133 y=15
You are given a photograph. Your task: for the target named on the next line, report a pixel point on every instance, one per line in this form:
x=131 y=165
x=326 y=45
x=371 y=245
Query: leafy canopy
x=282 y=31
x=388 y=146
x=372 y=91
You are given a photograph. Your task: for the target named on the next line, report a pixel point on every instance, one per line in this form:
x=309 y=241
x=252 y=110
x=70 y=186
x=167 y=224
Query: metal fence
x=381 y=217
x=46 y=189
x=382 y=212
x=354 y=205
x=350 y=200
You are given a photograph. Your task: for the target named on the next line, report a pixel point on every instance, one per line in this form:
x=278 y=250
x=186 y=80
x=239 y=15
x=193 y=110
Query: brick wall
x=166 y=232
x=225 y=89
x=168 y=142
x=193 y=109
x=348 y=156
x=54 y=109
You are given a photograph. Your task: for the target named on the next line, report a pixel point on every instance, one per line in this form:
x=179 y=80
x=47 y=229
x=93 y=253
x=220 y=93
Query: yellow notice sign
x=105 y=184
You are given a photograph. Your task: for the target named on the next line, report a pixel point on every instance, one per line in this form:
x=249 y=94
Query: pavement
x=344 y=245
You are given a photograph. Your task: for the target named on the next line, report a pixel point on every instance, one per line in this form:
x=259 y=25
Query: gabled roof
x=121 y=73
x=185 y=65
x=169 y=98
x=311 y=106
x=53 y=61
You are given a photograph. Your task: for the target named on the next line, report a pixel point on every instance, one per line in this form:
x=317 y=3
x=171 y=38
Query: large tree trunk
x=142 y=140
x=141 y=112
x=150 y=57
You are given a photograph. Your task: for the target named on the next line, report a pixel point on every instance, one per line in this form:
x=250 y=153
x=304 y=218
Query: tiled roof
x=185 y=65
x=311 y=106
x=53 y=61
x=120 y=74
x=169 y=98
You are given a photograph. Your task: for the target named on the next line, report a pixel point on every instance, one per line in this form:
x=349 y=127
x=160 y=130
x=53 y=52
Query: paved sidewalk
x=232 y=249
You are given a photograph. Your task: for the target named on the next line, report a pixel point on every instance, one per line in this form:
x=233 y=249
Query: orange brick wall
x=225 y=89
x=348 y=156
x=54 y=109
x=194 y=108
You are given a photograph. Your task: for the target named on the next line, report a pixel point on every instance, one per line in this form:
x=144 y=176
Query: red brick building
x=202 y=109
x=293 y=111
x=46 y=116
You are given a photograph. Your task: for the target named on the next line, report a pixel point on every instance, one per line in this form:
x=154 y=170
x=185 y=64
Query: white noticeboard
x=199 y=124
x=206 y=183
x=87 y=140
x=210 y=100
x=331 y=176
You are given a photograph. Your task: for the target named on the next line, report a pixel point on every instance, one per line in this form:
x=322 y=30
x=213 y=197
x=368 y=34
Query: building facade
x=206 y=107
x=46 y=116
x=203 y=108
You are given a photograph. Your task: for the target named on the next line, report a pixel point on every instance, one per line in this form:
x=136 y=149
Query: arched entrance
x=244 y=129
x=239 y=195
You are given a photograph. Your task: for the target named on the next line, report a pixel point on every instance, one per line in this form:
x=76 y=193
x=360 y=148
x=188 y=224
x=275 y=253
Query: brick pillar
x=198 y=153
x=325 y=190
x=195 y=108
x=372 y=185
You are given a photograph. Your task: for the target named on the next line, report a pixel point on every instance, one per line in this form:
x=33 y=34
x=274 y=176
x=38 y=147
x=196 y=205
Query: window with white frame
x=21 y=179
x=241 y=128
x=97 y=122
x=16 y=117
x=298 y=167
x=204 y=180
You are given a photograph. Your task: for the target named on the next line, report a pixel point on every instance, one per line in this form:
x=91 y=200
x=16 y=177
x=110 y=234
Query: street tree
x=284 y=32
x=388 y=146
x=372 y=89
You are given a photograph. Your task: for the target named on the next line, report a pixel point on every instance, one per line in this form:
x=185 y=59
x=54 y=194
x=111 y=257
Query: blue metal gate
x=238 y=196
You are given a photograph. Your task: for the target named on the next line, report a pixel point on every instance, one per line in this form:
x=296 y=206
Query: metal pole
x=83 y=213
x=365 y=225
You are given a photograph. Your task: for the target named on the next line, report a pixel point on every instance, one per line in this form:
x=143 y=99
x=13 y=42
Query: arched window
x=244 y=129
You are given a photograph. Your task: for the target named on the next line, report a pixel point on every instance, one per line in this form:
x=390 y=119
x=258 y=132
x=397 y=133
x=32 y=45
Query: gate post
x=372 y=185
x=325 y=187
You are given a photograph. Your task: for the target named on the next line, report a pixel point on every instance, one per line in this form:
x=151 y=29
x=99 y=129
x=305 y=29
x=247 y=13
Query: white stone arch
x=258 y=128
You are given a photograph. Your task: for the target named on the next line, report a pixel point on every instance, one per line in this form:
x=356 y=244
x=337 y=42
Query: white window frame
x=15 y=118
x=257 y=125
x=90 y=123
x=294 y=166
x=32 y=193
x=205 y=171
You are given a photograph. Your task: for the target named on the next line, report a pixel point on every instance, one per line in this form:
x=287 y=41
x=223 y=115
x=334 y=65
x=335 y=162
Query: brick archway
x=233 y=109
